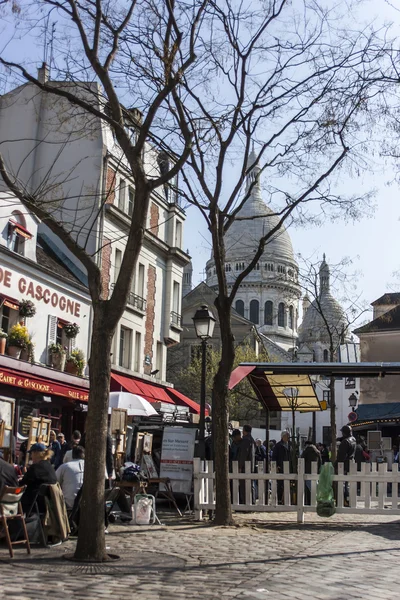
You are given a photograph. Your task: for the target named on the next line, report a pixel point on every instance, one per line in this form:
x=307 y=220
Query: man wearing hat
x=40 y=471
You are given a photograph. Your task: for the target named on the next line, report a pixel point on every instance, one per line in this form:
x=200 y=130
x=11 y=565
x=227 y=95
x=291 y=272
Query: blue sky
x=372 y=243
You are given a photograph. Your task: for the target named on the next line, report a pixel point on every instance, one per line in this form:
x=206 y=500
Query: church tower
x=269 y=295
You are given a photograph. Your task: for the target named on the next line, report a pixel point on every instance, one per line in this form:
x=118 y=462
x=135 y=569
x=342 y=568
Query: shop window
x=255 y=312
x=281 y=314
x=239 y=306
x=268 y=312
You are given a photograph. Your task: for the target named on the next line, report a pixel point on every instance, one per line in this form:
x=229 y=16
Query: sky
x=372 y=243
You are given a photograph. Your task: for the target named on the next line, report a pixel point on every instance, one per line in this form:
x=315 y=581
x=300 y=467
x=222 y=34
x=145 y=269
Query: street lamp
x=204 y=322
x=291 y=394
x=353 y=401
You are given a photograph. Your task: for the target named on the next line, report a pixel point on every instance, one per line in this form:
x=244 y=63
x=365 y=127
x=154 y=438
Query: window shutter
x=51 y=333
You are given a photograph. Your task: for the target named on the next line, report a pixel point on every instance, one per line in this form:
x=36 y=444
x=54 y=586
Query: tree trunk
x=333 y=419
x=91 y=539
x=223 y=510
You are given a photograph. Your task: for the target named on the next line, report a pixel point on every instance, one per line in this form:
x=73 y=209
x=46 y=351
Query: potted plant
x=18 y=338
x=71 y=330
x=75 y=363
x=58 y=354
x=27 y=309
x=3 y=339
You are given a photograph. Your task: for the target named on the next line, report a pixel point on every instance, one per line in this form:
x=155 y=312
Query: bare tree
x=284 y=96
x=106 y=53
x=328 y=324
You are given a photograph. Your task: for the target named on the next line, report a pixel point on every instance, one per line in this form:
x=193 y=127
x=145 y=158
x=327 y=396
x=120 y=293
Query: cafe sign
x=43 y=386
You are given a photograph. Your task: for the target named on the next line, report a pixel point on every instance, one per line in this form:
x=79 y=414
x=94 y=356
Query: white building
x=269 y=295
x=30 y=271
x=49 y=142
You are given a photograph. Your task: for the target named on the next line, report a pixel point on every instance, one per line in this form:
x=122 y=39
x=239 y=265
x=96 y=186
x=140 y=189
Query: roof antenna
x=51 y=44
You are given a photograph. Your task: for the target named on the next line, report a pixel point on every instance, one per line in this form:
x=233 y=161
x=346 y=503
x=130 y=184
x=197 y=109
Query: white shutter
x=51 y=333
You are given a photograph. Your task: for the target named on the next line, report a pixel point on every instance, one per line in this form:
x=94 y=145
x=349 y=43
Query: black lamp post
x=204 y=322
x=353 y=401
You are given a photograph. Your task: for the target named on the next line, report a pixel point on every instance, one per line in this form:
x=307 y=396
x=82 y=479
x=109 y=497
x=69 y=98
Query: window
x=141 y=275
x=326 y=356
x=313 y=356
x=268 y=312
x=138 y=343
x=121 y=196
x=125 y=344
x=254 y=312
x=290 y=273
x=239 y=306
x=117 y=264
x=269 y=267
x=5 y=318
x=239 y=266
x=326 y=396
x=291 y=320
x=175 y=297
x=131 y=199
x=326 y=435
x=281 y=315
x=178 y=235
x=281 y=269
x=17 y=236
x=228 y=267
x=159 y=359
x=257 y=267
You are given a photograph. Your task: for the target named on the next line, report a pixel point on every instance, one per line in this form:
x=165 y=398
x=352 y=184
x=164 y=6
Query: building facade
x=30 y=271
x=48 y=141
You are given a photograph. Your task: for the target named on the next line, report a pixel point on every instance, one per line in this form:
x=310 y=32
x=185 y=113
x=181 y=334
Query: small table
x=133 y=487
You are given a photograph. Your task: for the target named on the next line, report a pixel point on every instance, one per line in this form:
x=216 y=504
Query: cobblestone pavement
x=263 y=556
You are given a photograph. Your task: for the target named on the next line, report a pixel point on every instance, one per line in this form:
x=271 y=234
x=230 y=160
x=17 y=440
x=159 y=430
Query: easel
x=118 y=426
x=6 y=427
x=39 y=431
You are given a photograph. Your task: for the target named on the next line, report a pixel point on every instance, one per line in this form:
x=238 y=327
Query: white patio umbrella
x=136 y=405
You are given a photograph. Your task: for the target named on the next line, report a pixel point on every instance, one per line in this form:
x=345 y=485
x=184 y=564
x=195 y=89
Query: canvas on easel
x=118 y=426
x=39 y=431
x=6 y=426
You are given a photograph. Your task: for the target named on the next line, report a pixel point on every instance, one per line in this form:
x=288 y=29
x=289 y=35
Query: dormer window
x=17 y=233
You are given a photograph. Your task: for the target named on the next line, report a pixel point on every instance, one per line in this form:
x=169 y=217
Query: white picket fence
x=371 y=491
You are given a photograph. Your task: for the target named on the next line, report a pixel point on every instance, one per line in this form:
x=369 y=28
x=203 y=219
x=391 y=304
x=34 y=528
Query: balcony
x=176 y=320
x=134 y=301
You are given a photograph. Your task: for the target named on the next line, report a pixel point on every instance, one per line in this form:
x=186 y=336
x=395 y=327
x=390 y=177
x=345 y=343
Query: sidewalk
x=263 y=556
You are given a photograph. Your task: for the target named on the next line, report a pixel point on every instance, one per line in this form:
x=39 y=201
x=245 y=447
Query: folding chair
x=10 y=509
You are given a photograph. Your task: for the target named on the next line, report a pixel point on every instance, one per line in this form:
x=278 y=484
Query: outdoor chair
x=10 y=510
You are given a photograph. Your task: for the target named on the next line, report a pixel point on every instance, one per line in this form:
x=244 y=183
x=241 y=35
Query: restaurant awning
x=41 y=385
x=270 y=387
x=377 y=413
x=152 y=393
x=184 y=400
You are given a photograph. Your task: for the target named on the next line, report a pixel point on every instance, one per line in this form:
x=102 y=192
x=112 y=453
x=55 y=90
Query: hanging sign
x=352 y=417
x=177 y=458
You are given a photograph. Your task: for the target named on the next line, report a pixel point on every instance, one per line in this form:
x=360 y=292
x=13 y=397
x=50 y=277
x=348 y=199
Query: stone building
x=269 y=295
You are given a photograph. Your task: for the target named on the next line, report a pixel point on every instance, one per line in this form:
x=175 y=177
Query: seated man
x=40 y=471
x=70 y=475
x=8 y=475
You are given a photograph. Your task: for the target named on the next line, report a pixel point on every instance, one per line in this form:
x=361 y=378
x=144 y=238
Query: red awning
x=10 y=302
x=152 y=393
x=20 y=229
x=184 y=400
x=238 y=374
x=43 y=386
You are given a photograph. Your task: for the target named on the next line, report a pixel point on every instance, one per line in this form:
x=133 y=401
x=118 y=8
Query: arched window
x=290 y=317
x=281 y=315
x=254 y=312
x=240 y=307
x=326 y=356
x=16 y=235
x=268 y=308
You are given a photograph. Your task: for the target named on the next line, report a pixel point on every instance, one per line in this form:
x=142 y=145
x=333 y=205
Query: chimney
x=43 y=73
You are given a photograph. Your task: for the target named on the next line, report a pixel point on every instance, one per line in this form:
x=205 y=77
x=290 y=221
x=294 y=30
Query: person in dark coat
x=345 y=455
x=281 y=454
x=310 y=454
x=55 y=446
x=40 y=471
x=235 y=445
x=63 y=443
x=324 y=454
x=247 y=449
x=8 y=476
x=361 y=455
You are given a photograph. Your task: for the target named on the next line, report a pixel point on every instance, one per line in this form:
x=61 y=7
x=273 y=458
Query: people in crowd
x=40 y=471
x=76 y=441
x=361 y=454
x=260 y=451
x=345 y=455
x=247 y=449
x=63 y=443
x=56 y=459
x=325 y=456
x=281 y=454
x=310 y=454
x=271 y=447
x=70 y=475
x=235 y=445
x=8 y=475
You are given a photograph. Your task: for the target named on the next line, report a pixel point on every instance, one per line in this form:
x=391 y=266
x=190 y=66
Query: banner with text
x=177 y=458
